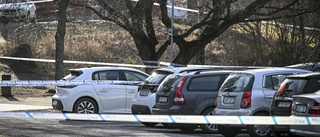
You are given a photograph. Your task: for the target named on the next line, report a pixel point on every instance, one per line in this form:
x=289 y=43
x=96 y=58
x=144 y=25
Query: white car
x=98 y=98
x=17 y=10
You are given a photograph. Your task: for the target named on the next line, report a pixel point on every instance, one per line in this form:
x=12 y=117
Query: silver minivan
x=249 y=93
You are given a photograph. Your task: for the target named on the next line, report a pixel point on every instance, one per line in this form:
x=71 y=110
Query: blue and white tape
x=63 y=83
x=185 y=119
x=136 y=66
x=81 y=62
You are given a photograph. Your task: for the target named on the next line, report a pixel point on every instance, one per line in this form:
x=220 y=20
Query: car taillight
x=71 y=86
x=315 y=109
x=216 y=102
x=178 y=96
x=246 y=99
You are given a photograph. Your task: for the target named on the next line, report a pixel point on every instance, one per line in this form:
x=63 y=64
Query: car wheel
x=168 y=125
x=149 y=124
x=34 y=20
x=259 y=130
x=188 y=128
x=85 y=106
x=282 y=134
x=27 y=20
x=228 y=131
x=209 y=128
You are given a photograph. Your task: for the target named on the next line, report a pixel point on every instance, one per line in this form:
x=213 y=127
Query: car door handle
x=269 y=97
x=103 y=90
x=131 y=91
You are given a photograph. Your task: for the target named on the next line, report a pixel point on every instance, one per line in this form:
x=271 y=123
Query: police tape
x=63 y=83
x=183 y=119
x=80 y=62
x=136 y=66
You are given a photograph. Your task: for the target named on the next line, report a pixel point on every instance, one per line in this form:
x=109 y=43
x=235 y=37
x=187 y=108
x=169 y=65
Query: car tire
x=209 y=128
x=149 y=124
x=282 y=134
x=27 y=20
x=85 y=106
x=228 y=131
x=168 y=125
x=34 y=20
x=188 y=128
x=259 y=130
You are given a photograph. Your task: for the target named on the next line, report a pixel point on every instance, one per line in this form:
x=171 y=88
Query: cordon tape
x=183 y=119
x=132 y=65
x=35 y=83
x=187 y=119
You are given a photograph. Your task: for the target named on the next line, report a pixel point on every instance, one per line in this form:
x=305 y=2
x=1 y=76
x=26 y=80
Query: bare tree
x=136 y=17
x=60 y=35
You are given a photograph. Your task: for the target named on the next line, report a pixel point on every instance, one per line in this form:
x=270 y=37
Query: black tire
x=27 y=20
x=85 y=106
x=188 y=128
x=168 y=125
x=228 y=131
x=259 y=130
x=209 y=128
x=149 y=124
x=282 y=134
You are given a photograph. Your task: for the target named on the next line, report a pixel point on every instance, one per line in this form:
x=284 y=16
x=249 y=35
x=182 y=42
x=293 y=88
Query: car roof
x=92 y=69
x=271 y=70
x=179 y=69
x=315 y=75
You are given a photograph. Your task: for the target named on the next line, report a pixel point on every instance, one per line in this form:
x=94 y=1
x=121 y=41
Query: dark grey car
x=189 y=94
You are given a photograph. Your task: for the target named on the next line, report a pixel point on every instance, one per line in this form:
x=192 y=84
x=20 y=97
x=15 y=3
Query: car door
x=131 y=88
x=112 y=96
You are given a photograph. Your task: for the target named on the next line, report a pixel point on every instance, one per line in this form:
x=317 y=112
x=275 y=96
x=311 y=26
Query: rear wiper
x=228 y=89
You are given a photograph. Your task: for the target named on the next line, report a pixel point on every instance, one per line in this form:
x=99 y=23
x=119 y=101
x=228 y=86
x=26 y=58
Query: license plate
x=54 y=102
x=144 y=93
x=301 y=108
x=284 y=104
x=229 y=100
x=163 y=99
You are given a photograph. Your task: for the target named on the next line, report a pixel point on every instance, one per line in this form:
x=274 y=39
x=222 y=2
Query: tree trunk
x=60 y=34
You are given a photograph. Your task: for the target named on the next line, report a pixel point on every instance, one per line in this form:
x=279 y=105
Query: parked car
x=17 y=10
x=189 y=94
x=249 y=93
x=315 y=67
x=307 y=105
x=282 y=101
x=98 y=98
x=144 y=99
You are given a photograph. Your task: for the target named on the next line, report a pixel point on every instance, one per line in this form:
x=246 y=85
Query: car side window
x=207 y=83
x=273 y=82
x=106 y=75
x=134 y=76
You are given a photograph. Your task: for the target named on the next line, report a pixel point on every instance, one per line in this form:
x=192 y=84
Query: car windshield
x=156 y=78
x=302 y=86
x=237 y=83
x=72 y=75
x=170 y=83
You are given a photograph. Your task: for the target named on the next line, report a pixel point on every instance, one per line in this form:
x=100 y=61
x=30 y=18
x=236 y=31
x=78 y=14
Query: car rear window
x=72 y=75
x=301 y=86
x=170 y=83
x=157 y=77
x=205 y=83
x=237 y=83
